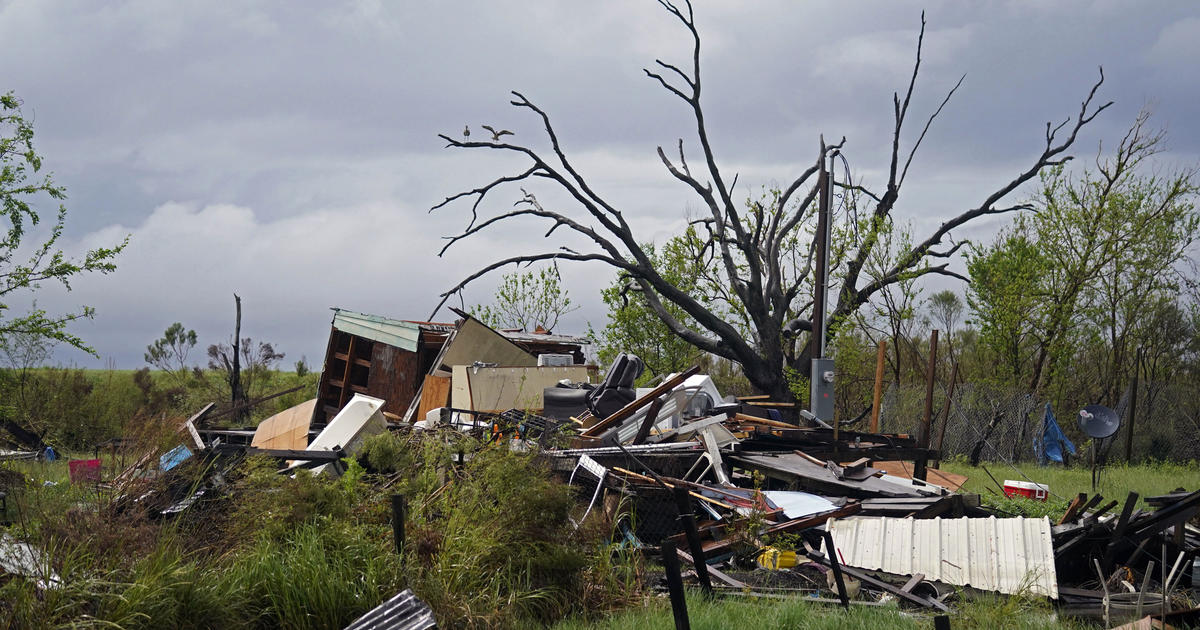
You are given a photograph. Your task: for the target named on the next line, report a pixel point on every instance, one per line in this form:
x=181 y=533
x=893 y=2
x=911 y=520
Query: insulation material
x=286 y=430
x=799 y=504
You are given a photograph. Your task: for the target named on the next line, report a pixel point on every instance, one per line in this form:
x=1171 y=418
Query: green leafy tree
x=527 y=301
x=169 y=353
x=634 y=327
x=1076 y=276
x=24 y=267
x=1004 y=297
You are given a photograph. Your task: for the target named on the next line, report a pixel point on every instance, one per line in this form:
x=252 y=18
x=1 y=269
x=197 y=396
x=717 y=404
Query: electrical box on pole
x=821 y=390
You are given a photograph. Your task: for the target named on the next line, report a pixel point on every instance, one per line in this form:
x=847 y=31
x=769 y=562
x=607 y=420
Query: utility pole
x=821 y=374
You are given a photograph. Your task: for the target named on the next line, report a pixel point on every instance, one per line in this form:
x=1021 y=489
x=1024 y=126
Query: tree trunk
x=238 y=396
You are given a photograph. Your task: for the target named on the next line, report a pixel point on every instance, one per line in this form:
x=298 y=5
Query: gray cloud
x=289 y=152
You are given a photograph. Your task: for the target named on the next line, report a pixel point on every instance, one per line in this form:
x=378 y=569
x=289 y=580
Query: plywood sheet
x=287 y=430
x=948 y=480
x=498 y=389
x=435 y=392
x=474 y=341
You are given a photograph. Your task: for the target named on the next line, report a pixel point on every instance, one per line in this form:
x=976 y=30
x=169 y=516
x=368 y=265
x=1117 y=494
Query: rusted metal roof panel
x=1007 y=555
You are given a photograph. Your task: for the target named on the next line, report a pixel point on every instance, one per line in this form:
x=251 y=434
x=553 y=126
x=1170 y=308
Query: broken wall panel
x=376 y=356
x=287 y=429
x=474 y=341
x=497 y=389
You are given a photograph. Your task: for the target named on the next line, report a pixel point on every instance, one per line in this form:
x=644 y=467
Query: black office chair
x=604 y=399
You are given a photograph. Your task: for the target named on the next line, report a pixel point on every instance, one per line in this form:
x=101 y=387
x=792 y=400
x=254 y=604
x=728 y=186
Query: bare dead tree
x=755 y=249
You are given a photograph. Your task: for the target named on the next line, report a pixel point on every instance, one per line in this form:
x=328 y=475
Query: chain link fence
x=996 y=423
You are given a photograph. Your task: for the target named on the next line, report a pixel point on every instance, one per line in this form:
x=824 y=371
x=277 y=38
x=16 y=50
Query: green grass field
x=1115 y=482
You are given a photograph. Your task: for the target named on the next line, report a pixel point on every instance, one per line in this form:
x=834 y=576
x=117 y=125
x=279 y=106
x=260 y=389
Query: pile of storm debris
x=742 y=496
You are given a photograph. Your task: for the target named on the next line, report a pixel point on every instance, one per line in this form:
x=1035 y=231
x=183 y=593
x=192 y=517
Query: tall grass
x=984 y=613
x=1116 y=481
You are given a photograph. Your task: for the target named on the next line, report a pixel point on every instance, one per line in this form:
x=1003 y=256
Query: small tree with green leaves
x=22 y=267
x=169 y=353
x=527 y=300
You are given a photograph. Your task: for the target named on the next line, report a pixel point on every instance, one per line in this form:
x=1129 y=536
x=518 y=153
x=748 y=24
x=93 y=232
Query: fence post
x=941 y=437
x=879 y=357
x=675 y=585
x=398 y=515
x=920 y=462
x=687 y=520
x=1137 y=368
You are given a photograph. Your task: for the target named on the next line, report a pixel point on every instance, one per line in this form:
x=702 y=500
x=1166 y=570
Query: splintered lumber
x=746 y=419
x=670 y=485
x=633 y=407
x=1073 y=508
x=716 y=547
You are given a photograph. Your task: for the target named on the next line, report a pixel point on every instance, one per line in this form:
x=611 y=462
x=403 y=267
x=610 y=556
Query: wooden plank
x=949 y=480
x=713 y=571
x=743 y=418
x=1073 y=508
x=648 y=421
x=877 y=395
x=794 y=525
x=435 y=393
x=912 y=582
x=637 y=404
x=880 y=584
x=287 y=429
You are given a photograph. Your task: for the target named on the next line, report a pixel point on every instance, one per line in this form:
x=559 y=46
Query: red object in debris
x=84 y=470
x=1035 y=491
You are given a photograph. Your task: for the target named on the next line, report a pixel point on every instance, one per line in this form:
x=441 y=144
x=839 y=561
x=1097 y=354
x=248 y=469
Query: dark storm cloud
x=269 y=148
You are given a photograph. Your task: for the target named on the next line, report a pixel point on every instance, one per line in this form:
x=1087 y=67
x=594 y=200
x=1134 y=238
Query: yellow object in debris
x=775 y=559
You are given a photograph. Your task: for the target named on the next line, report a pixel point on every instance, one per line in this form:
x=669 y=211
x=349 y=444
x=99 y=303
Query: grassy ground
x=1115 y=483
x=738 y=611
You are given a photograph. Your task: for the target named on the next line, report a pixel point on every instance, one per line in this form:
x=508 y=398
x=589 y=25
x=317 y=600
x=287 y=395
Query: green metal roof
x=393 y=332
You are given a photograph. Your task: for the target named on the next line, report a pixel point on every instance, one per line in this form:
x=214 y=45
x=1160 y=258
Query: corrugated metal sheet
x=393 y=332
x=1008 y=555
x=402 y=612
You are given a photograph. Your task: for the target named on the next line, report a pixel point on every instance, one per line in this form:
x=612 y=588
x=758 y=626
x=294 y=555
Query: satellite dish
x=1099 y=421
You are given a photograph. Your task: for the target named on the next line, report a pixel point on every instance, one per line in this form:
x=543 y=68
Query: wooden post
x=923 y=433
x=670 y=562
x=879 y=357
x=837 y=570
x=1137 y=368
x=683 y=501
x=941 y=437
x=398 y=513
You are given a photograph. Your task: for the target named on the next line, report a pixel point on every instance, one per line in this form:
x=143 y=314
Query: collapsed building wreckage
x=701 y=478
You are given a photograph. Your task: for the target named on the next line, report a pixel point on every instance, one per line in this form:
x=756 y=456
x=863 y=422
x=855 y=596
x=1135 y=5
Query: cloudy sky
x=288 y=152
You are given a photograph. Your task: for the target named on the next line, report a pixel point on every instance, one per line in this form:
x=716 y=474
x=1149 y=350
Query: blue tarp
x=174 y=457
x=1048 y=445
